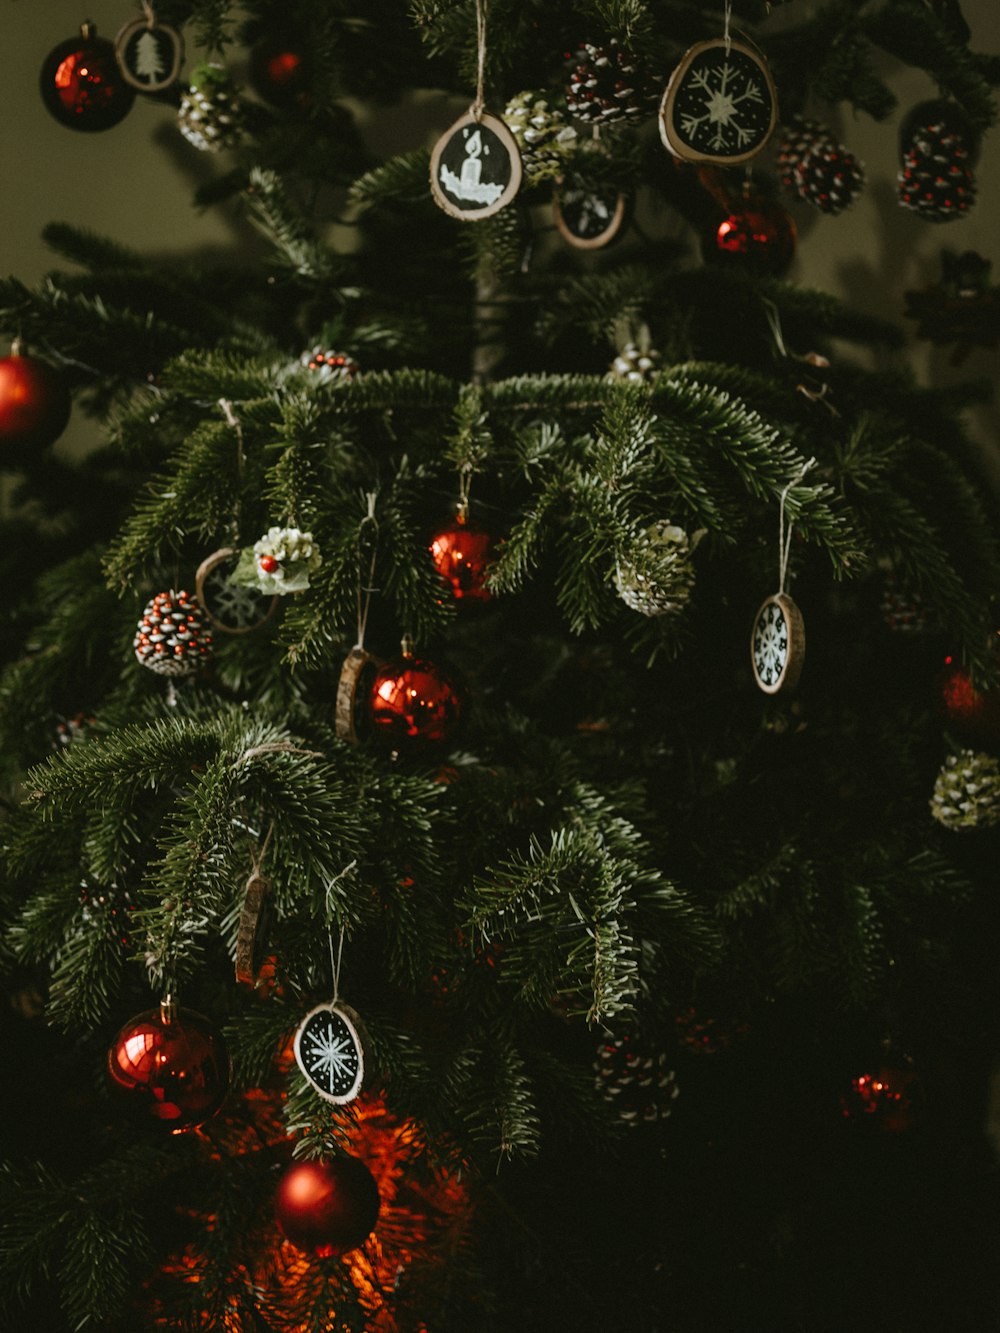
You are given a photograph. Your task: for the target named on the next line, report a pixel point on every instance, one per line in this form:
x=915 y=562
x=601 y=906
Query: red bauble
x=82 y=84
x=34 y=401
x=172 y=1065
x=280 y=70
x=413 y=700
x=758 y=235
x=460 y=553
x=327 y=1207
x=972 y=715
x=887 y=1101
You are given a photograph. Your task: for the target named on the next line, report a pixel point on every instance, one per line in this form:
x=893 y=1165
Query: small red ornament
x=34 y=401
x=173 y=1066
x=972 y=715
x=280 y=70
x=413 y=700
x=327 y=1207
x=82 y=84
x=887 y=1100
x=173 y=637
x=460 y=553
x=758 y=235
x=267 y=563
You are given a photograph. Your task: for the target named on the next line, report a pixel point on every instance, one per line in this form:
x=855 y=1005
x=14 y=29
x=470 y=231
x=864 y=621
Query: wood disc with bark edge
x=347 y=694
x=210 y=563
x=511 y=178
x=251 y=934
x=678 y=145
x=168 y=40
x=596 y=242
x=344 y=1017
x=775 y=667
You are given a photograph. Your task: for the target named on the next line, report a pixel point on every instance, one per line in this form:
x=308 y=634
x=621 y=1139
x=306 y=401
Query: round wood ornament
x=345 y=718
x=475 y=167
x=251 y=933
x=231 y=608
x=778 y=644
x=330 y=1052
x=720 y=105
x=589 y=216
x=149 y=54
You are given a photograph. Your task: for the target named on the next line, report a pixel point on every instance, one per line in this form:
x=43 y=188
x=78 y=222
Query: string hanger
x=479 y=105
x=150 y=14
x=335 y=956
x=366 y=588
x=785 y=536
x=727 y=35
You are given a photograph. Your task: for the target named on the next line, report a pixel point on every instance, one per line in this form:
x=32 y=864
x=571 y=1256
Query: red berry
x=268 y=563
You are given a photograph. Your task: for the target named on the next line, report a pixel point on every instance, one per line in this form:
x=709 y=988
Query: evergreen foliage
x=623 y=827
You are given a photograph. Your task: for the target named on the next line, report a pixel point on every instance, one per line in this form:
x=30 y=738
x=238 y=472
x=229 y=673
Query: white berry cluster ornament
x=967 y=792
x=210 y=115
x=329 y=365
x=173 y=637
x=544 y=135
x=279 y=563
x=656 y=575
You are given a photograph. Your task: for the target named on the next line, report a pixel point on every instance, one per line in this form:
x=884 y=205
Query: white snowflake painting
x=328 y=1052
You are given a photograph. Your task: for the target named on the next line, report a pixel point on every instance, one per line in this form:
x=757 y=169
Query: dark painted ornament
x=82 y=85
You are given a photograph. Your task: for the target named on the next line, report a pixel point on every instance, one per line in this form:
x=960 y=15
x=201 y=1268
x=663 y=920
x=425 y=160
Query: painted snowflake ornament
x=720 y=104
x=233 y=608
x=656 y=576
x=279 y=563
x=778 y=644
x=330 y=1053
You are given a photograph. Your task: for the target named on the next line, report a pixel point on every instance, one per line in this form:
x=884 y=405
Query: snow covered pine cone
x=817 y=168
x=639 y=1085
x=656 y=576
x=544 y=135
x=210 y=116
x=173 y=637
x=967 y=791
x=935 y=179
x=608 y=84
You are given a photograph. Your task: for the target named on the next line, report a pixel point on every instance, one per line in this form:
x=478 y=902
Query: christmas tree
x=440 y=890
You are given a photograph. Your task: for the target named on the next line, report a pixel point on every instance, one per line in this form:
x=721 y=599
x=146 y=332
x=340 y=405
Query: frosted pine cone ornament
x=329 y=365
x=655 y=576
x=544 y=135
x=635 y=364
x=173 y=637
x=967 y=792
x=210 y=115
x=638 y=1084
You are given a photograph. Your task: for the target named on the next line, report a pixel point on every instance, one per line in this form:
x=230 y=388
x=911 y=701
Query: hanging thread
x=727 y=36
x=233 y=421
x=335 y=958
x=479 y=105
x=785 y=538
x=150 y=14
x=365 y=591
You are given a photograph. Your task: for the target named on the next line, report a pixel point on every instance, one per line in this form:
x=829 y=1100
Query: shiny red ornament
x=327 y=1207
x=461 y=553
x=267 y=563
x=280 y=71
x=172 y=1065
x=34 y=401
x=758 y=236
x=82 y=84
x=413 y=700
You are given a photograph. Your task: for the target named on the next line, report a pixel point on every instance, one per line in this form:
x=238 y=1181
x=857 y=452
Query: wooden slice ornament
x=345 y=721
x=475 y=167
x=589 y=216
x=232 y=608
x=329 y=1051
x=720 y=105
x=252 y=932
x=778 y=644
x=149 y=54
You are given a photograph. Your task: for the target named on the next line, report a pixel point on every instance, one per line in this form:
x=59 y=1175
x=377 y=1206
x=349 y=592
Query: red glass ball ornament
x=413 y=700
x=280 y=70
x=460 y=553
x=34 y=401
x=758 y=236
x=172 y=1065
x=327 y=1207
x=82 y=85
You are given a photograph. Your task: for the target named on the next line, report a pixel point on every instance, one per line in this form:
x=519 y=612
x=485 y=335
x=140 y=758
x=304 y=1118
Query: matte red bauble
x=280 y=70
x=327 y=1207
x=972 y=715
x=34 y=401
x=758 y=236
x=82 y=84
x=172 y=1065
x=460 y=553
x=412 y=700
